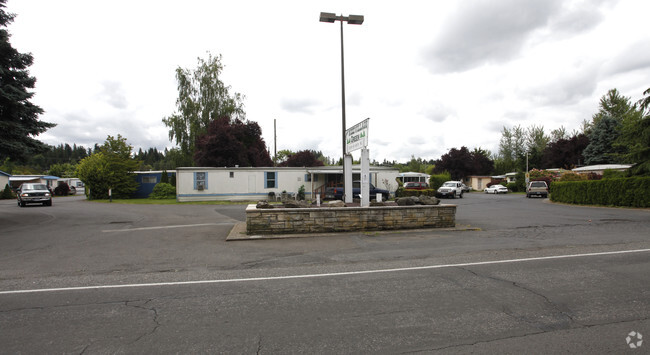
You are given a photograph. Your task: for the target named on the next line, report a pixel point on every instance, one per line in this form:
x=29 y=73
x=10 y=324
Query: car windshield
x=449 y=184
x=538 y=184
x=35 y=187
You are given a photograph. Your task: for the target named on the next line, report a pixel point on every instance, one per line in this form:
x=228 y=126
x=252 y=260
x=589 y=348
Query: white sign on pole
x=356 y=137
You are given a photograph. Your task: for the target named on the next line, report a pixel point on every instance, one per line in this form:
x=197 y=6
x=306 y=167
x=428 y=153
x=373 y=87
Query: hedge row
x=401 y=192
x=632 y=192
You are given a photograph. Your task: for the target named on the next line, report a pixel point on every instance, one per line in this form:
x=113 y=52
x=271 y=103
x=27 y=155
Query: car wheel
x=461 y=194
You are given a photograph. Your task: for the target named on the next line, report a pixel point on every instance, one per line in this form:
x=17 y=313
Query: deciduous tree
x=202 y=98
x=461 y=163
x=230 y=143
x=110 y=168
x=305 y=158
x=565 y=153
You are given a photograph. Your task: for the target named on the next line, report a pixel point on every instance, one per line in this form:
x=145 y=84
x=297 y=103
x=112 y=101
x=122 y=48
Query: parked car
x=451 y=189
x=416 y=186
x=465 y=188
x=537 y=188
x=34 y=193
x=496 y=189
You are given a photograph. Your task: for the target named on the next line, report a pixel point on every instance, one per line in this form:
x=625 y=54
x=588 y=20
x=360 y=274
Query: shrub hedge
x=163 y=191
x=435 y=181
x=7 y=193
x=631 y=192
x=415 y=193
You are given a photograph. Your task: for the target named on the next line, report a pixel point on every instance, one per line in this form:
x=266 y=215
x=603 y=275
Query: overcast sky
x=430 y=75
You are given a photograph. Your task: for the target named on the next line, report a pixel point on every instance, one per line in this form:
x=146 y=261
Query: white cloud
x=430 y=75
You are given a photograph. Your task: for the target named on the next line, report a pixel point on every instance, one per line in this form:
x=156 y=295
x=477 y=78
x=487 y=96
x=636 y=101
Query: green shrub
x=416 y=193
x=613 y=174
x=630 y=192
x=7 y=193
x=435 y=181
x=301 y=193
x=62 y=189
x=163 y=191
x=512 y=187
x=520 y=182
x=571 y=176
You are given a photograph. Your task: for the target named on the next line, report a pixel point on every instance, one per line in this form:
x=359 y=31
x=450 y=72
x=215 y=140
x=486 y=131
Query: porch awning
x=23 y=178
x=325 y=171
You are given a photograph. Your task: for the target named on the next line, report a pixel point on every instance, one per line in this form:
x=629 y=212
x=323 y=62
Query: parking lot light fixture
x=352 y=20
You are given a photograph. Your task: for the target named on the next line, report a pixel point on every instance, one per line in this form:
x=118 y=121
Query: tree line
x=209 y=128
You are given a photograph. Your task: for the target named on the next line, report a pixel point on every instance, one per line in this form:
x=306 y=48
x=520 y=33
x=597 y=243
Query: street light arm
x=332 y=17
x=328 y=17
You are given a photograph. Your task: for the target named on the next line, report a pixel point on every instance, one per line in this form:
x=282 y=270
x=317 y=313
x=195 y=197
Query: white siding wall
x=4 y=180
x=248 y=184
x=245 y=185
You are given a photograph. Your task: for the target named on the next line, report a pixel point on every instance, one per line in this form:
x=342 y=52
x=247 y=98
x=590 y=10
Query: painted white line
x=163 y=227
x=347 y=273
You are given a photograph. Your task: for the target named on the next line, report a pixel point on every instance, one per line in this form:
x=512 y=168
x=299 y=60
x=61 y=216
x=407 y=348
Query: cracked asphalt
x=580 y=304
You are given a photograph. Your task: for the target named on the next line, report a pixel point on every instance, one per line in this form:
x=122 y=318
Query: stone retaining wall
x=347 y=219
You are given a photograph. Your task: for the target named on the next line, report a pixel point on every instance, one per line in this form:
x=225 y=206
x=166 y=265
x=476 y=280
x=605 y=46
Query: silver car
x=34 y=193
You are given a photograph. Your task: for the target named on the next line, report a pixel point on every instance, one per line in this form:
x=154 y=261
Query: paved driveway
x=84 y=276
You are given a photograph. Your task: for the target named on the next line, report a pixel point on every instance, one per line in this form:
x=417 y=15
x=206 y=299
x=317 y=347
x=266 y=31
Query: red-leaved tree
x=232 y=142
x=302 y=158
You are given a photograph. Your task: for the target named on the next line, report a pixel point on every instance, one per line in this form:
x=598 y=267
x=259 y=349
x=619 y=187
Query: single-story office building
x=251 y=184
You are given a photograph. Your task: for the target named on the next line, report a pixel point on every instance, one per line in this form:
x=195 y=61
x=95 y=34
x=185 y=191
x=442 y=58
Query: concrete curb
x=238 y=232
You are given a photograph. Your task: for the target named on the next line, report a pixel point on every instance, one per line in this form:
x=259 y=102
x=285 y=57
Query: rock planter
x=310 y=219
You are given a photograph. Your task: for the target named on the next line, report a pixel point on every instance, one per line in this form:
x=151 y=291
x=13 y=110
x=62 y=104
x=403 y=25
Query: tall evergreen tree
x=603 y=135
x=19 y=122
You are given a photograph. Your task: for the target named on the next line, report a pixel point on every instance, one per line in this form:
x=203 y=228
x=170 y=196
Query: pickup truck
x=451 y=189
x=336 y=193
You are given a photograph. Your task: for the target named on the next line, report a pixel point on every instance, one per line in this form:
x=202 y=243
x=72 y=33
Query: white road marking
x=164 y=227
x=347 y=273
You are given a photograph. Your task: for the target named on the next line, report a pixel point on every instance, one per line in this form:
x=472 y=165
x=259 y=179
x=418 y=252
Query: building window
x=200 y=181
x=308 y=178
x=232 y=174
x=149 y=180
x=270 y=180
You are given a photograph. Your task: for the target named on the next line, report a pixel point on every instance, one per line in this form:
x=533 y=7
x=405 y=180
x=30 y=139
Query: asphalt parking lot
x=85 y=276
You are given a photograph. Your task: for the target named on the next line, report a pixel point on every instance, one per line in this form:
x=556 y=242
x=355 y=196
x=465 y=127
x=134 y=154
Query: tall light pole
x=352 y=20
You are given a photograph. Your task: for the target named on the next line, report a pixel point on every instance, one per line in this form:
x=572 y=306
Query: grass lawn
x=171 y=201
